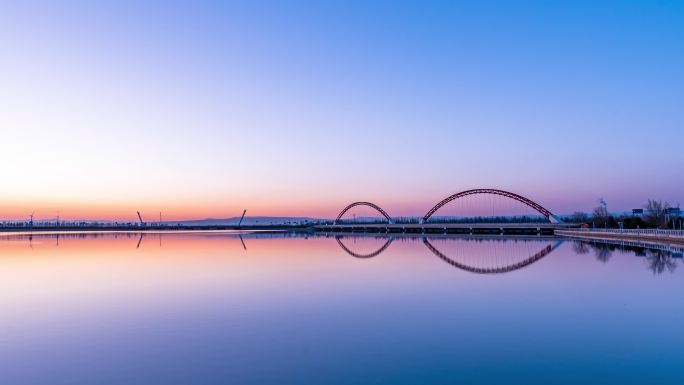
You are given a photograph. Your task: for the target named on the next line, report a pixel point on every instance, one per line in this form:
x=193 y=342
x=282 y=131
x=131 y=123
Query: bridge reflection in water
x=486 y=257
x=485 y=266
x=481 y=254
x=364 y=255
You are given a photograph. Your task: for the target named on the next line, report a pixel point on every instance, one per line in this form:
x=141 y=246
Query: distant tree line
x=656 y=214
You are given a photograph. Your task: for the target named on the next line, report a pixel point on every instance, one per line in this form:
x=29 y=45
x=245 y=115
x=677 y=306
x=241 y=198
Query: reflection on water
x=495 y=260
x=230 y=307
x=660 y=258
x=387 y=241
x=469 y=259
x=491 y=263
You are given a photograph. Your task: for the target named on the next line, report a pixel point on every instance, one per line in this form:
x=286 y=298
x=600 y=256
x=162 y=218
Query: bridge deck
x=447 y=228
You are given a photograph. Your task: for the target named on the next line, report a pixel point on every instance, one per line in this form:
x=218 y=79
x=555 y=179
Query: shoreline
x=657 y=236
x=139 y=229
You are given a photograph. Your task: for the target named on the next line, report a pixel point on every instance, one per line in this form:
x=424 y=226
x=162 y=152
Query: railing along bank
x=635 y=233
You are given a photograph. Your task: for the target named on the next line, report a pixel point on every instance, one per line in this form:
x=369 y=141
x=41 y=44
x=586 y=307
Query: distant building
x=674 y=212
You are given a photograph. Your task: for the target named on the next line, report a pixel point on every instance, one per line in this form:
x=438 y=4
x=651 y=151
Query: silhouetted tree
x=601 y=215
x=579 y=217
x=656 y=211
x=633 y=222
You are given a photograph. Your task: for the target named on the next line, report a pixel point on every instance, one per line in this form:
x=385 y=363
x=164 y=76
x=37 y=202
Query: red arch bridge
x=429 y=223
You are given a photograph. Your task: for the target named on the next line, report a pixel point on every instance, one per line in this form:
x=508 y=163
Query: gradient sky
x=297 y=108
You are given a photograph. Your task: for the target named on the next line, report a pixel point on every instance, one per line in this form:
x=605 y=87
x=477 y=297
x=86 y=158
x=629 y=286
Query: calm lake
x=281 y=308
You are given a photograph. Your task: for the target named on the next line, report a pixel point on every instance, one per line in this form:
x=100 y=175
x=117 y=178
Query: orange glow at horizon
x=192 y=208
x=189 y=210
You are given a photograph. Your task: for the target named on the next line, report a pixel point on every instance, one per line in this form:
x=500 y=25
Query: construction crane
x=242 y=217
x=141 y=221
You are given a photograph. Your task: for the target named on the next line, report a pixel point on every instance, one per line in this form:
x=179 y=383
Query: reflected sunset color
x=288 y=308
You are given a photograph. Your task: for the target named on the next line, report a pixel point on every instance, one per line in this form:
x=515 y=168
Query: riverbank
x=655 y=235
x=67 y=229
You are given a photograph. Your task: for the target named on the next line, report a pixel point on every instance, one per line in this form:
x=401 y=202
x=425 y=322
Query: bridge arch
x=539 y=208
x=369 y=204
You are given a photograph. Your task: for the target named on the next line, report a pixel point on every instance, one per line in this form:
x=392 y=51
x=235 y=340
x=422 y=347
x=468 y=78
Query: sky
x=297 y=108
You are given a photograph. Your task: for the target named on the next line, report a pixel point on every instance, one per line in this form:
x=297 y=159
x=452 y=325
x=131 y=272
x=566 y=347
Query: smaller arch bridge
x=369 y=204
x=539 y=208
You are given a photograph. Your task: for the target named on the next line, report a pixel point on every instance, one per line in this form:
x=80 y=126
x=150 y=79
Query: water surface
x=280 y=308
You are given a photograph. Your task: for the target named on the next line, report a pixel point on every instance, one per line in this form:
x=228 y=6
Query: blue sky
x=297 y=108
